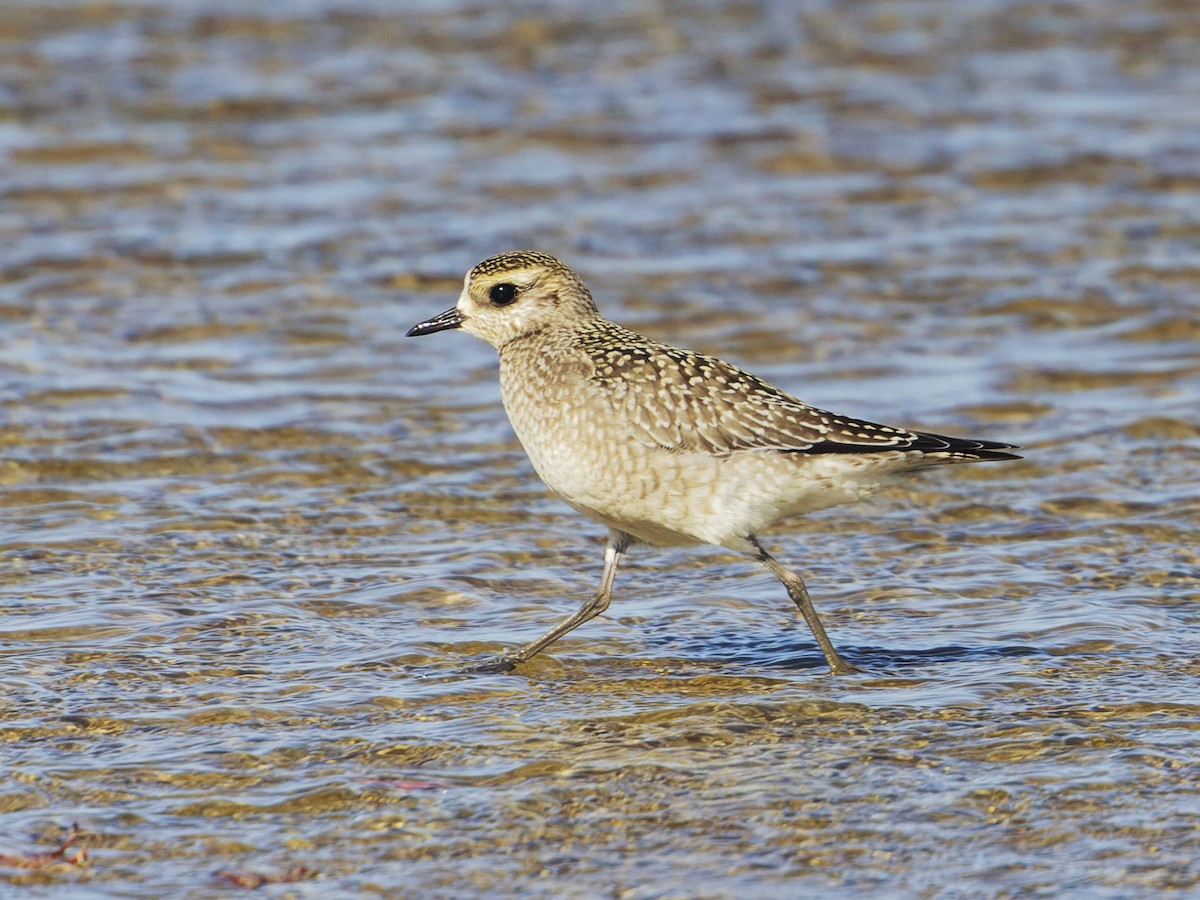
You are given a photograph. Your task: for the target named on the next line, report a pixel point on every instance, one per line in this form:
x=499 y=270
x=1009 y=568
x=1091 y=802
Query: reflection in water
x=249 y=532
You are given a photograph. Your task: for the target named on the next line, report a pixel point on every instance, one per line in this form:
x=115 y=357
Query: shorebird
x=664 y=446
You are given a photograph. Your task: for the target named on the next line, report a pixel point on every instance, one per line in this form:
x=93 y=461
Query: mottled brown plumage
x=665 y=446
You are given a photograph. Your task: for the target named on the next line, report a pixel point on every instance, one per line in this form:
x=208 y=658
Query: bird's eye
x=503 y=294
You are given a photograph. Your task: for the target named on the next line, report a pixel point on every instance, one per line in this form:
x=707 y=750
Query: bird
x=668 y=447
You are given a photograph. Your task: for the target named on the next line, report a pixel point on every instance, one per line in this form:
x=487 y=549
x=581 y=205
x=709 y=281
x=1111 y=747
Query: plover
x=665 y=446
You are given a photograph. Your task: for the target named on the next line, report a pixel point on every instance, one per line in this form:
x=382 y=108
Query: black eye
x=503 y=294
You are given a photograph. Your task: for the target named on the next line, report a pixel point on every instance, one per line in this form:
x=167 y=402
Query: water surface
x=251 y=534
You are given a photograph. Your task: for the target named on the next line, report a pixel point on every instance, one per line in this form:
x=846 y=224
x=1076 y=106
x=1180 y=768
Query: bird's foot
x=500 y=665
x=839 y=666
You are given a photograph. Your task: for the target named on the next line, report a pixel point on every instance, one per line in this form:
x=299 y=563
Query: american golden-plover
x=664 y=446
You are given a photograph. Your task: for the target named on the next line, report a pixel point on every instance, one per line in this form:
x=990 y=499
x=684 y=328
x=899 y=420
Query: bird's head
x=513 y=295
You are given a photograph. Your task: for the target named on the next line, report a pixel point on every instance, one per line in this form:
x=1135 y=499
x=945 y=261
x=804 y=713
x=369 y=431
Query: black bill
x=441 y=322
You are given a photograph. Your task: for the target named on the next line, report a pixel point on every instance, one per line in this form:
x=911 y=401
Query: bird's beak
x=441 y=322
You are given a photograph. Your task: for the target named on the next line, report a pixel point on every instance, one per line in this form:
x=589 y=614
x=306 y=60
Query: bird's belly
x=675 y=498
x=596 y=462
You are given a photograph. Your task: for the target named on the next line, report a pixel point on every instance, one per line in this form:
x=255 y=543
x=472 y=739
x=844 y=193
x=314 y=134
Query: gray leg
x=799 y=594
x=618 y=544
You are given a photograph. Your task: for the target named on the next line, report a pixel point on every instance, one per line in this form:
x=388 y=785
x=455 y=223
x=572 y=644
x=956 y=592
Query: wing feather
x=682 y=400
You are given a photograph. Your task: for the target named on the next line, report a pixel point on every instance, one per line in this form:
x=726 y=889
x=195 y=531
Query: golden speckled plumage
x=666 y=446
x=679 y=399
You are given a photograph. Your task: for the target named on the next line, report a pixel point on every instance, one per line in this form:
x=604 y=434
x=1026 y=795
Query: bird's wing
x=681 y=400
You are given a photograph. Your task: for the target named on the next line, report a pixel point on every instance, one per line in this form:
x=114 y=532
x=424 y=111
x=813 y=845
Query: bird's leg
x=618 y=544
x=799 y=594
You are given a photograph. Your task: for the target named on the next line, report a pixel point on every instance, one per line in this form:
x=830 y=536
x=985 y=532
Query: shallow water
x=251 y=534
